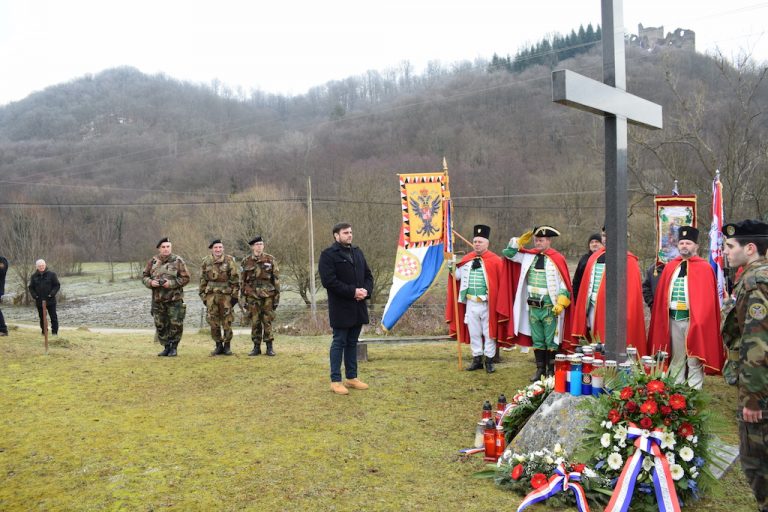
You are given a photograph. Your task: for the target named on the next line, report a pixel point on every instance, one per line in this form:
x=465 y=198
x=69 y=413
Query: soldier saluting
x=260 y=290
x=166 y=275
x=219 y=288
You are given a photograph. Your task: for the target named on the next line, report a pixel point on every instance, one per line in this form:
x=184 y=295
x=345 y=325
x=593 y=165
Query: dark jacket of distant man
x=44 y=286
x=342 y=270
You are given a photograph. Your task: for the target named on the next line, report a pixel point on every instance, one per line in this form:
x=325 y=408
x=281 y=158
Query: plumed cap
x=545 y=231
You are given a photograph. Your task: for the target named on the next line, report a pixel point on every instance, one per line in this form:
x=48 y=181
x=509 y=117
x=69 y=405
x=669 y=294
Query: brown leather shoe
x=356 y=384
x=339 y=389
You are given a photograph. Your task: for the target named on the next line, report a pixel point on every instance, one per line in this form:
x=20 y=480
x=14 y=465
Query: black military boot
x=165 y=351
x=551 y=363
x=256 y=349
x=219 y=349
x=172 y=352
x=541 y=364
x=477 y=363
x=270 y=352
x=227 y=351
x=489 y=365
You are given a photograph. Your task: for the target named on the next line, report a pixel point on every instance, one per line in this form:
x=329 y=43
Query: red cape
x=508 y=289
x=498 y=323
x=635 y=311
x=704 y=340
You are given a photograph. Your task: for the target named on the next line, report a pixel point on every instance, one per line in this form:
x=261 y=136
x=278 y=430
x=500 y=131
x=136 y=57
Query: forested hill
x=515 y=158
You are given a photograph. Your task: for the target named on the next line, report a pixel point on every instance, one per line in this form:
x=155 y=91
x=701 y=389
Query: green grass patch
x=101 y=423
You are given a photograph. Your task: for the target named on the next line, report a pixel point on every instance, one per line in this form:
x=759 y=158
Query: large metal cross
x=611 y=100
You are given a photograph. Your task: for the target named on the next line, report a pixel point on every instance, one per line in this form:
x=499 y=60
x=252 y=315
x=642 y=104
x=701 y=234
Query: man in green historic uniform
x=260 y=290
x=745 y=333
x=219 y=288
x=166 y=275
x=542 y=296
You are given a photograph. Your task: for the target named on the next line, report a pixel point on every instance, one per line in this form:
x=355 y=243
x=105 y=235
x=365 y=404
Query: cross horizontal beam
x=578 y=91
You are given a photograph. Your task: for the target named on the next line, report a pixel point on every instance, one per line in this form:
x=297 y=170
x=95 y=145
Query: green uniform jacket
x=260 y=277
x=745 y=334
x=219 y=276
x=172 y=269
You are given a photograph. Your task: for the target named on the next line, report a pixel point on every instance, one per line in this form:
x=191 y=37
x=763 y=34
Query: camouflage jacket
x=260 y=277
x=219 y=276
x=172 y=269
x=745 y=333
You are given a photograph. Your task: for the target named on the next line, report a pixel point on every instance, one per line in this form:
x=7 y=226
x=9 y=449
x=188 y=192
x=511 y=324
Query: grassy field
x=101 y=423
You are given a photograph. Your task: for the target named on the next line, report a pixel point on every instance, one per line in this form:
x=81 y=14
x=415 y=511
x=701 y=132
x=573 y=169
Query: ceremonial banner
x=716 y=238
x=425 y=237
x=671 y=213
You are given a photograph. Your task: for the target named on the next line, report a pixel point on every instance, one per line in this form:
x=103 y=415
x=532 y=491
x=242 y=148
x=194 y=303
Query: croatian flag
x=425 y=237
x=716 y=237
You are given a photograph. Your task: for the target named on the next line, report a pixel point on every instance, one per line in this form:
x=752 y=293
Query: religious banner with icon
x=672 y=212
x=425 y=238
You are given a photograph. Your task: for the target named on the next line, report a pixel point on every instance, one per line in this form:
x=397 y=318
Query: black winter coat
x=342 y=270
x=3 y=271
x=44 y=286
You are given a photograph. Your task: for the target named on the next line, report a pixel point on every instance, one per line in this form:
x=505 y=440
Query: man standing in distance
x=348 y=280
x=686 y=314
x=166 y=275
x=219 y=288
x=745 y=333
x=542 y=296
x=44 y=285
x=260 y=289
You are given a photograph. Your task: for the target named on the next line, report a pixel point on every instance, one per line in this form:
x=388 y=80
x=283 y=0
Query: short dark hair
x=341 y=225
x=760 y=242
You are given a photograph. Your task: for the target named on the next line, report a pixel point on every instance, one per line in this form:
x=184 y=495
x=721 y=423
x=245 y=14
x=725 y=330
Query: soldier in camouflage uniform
x=166 y=275
x=745 y=333
x=260 y=291
x=219 y=288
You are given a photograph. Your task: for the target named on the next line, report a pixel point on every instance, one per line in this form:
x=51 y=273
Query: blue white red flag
x=425 y=237
x=716 y=238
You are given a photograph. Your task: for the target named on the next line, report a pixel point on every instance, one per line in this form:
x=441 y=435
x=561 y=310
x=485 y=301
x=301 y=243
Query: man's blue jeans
x=344 y=346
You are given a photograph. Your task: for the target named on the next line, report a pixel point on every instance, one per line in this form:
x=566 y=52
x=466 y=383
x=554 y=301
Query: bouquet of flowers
x=670 y=419
x=523 y=404
x=527 y=473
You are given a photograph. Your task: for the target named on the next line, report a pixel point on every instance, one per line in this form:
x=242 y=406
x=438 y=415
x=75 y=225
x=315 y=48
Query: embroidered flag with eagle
x=425 y=238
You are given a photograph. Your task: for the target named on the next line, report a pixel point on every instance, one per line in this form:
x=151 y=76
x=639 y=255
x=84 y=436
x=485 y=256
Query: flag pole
x=45 y=325
x=452 y=275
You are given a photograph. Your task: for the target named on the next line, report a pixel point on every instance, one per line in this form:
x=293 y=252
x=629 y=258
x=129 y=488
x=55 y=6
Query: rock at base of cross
x=559 y=419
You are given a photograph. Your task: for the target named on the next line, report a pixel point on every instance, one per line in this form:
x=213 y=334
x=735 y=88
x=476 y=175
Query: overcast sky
x=288 y=46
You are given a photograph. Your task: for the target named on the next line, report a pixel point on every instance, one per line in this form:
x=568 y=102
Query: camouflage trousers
x=753 y=450
x=262 y=314
x=169 y=321
x=220 y=316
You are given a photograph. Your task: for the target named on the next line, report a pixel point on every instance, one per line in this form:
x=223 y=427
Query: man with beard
x=685 y=319
x=348 y=279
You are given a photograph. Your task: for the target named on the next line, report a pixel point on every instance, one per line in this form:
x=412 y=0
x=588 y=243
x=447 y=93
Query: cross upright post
x=610 y=100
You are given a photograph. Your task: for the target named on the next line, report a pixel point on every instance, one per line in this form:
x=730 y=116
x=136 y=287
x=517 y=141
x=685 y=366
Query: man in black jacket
x=3 y=271
x=348 y=280
x=44 y=285
x=594 y=243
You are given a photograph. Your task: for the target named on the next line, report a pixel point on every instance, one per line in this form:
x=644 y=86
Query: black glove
x=233 y=300
x=476 y=263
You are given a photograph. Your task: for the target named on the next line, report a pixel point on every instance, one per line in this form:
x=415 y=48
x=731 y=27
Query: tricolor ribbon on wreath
x=561 y=481
x=647 y=444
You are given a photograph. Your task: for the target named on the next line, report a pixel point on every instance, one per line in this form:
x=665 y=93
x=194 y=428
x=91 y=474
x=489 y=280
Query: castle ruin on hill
x=653 y=38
